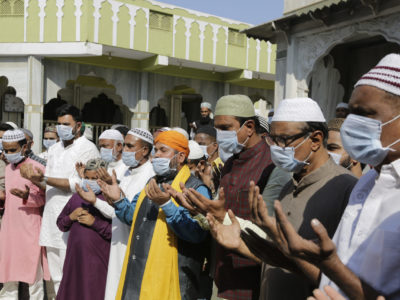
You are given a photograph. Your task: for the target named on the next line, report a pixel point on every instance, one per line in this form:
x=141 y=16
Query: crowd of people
x=286 y=207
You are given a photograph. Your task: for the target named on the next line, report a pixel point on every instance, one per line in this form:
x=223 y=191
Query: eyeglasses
x=285 y=141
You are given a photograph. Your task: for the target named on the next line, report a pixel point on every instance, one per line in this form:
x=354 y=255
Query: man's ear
x=250 y=126
x=317 y=138
x=181 y=157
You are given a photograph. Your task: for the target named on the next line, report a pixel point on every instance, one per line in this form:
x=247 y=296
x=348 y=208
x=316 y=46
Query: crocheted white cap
x=14 y=135
x=205 y=104
x=342 y=105
x=298 y=110
x=142 y=134
x=195 y=150
x=111 y=134
x=385 y=75
x=182 y=131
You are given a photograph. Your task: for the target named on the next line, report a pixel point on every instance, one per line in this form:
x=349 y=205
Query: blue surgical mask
x=92 y=184
x=65 y=132
x=1 y=144
x=228 y=143
x=361 y=138
x=284 y=158
x=47 y=143
x=129 y=159
x=14 y=158
x=153 y=152
x=107 y=154
x=336 y=157
x=269 y=120
x=161 y=166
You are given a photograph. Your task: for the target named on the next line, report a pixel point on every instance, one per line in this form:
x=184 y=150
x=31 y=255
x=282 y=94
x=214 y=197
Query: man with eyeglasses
x=319 y=189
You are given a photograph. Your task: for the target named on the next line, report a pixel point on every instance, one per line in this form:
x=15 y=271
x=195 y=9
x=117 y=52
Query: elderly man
x=366 y=259
x=50 y=137
x=336 y=150
x=60 y=179
x=29 y=153
x=3 y=128
x=111 y=144
x=138 y=170
x=342 y=110
x=164 y=258
x=299 y=134
x=21 y=257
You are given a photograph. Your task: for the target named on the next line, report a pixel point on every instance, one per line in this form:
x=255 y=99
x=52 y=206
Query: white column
x=26 y=5
x=132 y=22
x=226 y=44
x=147 y=27
x=188 y=26
x=115 y=8
x=247 y=52
x=96 y=15
x=269 y=52
x=141 y=112
x=291 y=82
x=173 y=34
x=33 y=115
x=202 y=27
x=42 y=14
x=78 y=14
x=258 y=48
x=215 y=28
x=60 y=14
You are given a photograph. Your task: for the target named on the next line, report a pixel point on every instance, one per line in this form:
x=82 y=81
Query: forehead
x=65 y=119
x=201 y=137
x=334 y=137
x=369 y=99
x=50 y=134
x=91 y=173
x=131 y=139
x=10 y=145
x=163 y=146
x=286 y=128
x=225 y=121
x=106 y=142
x=203 y=109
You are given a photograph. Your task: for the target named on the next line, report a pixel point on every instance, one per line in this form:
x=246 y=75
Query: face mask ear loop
x=244 y=143
x=390 y=121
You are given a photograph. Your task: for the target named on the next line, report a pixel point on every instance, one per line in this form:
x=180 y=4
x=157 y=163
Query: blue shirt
x=177 y=217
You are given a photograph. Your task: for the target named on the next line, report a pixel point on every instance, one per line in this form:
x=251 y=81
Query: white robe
x=132 y=183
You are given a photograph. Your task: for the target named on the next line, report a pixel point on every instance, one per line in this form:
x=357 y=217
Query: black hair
x=321 y=126
x=68 y=109
x=22 y=142
x=5 y=127
x=123 y=130
x=243 y=120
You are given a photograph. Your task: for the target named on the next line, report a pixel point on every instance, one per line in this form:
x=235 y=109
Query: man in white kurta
x=60 y=179
x=137 y=149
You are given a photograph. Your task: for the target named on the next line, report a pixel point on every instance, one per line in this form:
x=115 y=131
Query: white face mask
x=336 y=157
x=65 y=132
x=228 y=143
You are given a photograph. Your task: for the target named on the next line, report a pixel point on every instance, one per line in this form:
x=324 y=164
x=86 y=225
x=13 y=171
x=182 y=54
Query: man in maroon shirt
x=247 y=158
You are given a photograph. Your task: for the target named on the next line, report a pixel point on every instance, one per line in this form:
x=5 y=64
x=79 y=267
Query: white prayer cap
x=27 y=132
x=263 y=122
x=342 y=105
x=111 y=134
x=182 y=131
x=12 y=124
x=385 y=75
x=195 y=150
x=206 y=105
x=298 y=110
x=14 y=135
x=142 y=134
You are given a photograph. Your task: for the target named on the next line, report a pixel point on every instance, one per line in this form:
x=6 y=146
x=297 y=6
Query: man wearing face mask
x=164 y=257
x=111 y=145
x=21 y=257
x=3 y=128
x=247 y=158
x=336 y=150
x=137 y=147
x=60 y=179
x=29 y=153
x=50 y=138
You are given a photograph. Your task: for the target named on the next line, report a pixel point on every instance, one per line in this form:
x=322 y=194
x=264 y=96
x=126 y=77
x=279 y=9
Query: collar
x=314 y=176
x=248 y=153
x=394 y=165
x=134 y=171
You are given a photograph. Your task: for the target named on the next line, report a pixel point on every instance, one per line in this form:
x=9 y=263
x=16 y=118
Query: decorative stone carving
x=188 y=26
x=42 y=14
x=60 y=14
x=132 y=22
x=96 y=14
x=78 y=14
x=215 y=28
x=313 y=46
x=26 y=5
x=202 y=27
x=326 y=87
x=115 y=8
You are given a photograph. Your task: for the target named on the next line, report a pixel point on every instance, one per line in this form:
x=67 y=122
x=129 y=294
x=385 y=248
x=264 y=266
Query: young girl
x=86 y=261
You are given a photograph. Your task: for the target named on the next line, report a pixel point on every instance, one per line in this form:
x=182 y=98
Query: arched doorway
x=334 y=74
x=12 y=107
x=179 y=107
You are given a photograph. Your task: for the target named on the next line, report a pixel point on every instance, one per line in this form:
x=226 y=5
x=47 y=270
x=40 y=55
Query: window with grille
x=160 y=21
x=236 y=38
x=11 y=7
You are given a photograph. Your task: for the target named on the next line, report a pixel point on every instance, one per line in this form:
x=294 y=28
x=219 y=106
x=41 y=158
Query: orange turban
x=175 y=140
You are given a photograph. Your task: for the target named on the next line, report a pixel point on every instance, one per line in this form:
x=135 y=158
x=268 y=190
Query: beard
x=205 y=120
x=346 y=163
